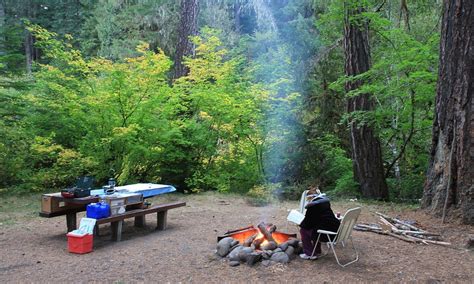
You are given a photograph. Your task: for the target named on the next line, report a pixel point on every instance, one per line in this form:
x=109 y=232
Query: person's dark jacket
x=319 y=216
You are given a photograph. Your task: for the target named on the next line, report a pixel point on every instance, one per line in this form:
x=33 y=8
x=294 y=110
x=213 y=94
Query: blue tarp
x=147 y=189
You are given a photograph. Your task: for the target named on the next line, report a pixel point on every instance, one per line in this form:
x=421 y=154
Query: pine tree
x=187 y=28
x=365 y=146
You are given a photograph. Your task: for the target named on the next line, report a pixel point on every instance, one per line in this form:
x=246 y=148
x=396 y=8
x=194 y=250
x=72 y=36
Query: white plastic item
x=86 y=226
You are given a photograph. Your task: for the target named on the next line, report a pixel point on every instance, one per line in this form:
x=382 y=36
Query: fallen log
x=394 y=220
x=404 y=238
x=379 y=231
x=387 y=223
x=368 y=227
x=418 y=233
x=438 y=243
x=392 y=227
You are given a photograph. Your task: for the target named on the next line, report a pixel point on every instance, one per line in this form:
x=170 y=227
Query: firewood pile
x=401 y=230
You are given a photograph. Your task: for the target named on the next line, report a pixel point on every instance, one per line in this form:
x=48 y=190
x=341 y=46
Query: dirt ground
x=34 y=249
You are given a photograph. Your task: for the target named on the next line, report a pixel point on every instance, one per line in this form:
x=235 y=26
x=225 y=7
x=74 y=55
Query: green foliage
x=99 y=117
x=223 y=111
x=408 y=189
x=336 y=174
x=264 y=100
x=12 y=60
x=401 y=83
x=56 y=166
x=114 y=28
x=14 y=135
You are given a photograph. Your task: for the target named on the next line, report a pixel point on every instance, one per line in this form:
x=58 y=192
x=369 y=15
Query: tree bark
x=405 y=13
x=2 y=26
x=187 y=28
x=28 y=51
x=448 y=179
x=237 y=12
x=31 y=53
x=366 y=150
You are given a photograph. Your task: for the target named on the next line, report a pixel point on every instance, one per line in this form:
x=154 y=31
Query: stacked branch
x=401 y=230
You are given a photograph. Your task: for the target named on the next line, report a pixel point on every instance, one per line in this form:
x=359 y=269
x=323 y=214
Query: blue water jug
x=104 y=209
x=98 y=210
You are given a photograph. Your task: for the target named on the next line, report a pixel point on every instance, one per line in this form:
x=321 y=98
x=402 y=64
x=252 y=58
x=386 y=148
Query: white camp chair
x=342 y=235
x=303 y=202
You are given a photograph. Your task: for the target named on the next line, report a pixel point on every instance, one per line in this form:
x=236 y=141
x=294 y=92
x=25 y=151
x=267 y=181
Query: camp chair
x=342 y=235
x=303 y=202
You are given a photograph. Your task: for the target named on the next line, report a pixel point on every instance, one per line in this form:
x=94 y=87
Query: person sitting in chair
x=319 y=216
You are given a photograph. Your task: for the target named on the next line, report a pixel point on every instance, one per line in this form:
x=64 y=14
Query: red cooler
x=79 y=244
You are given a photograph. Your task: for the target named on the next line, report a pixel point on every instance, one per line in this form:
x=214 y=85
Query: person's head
x=312 y=190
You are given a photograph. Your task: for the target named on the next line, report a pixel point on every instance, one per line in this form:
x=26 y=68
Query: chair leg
x=316 y=244
x=352 y=261
x=317 y=241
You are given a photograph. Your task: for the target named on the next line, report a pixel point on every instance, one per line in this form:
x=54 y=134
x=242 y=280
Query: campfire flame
x=259 y=238
x=256 y=236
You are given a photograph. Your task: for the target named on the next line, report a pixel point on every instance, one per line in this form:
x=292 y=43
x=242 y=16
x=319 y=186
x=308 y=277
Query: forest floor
x=34 y=249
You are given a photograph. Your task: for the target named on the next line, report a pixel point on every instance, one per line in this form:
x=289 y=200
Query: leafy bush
x=55 y=166
x=407 y=189
x=103 y=117
x=346 y=186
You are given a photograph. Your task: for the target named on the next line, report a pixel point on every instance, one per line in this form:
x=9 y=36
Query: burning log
x=239 y=230
x=267 y=233
x=249 y=240
x=257 y=242
x=271 y=228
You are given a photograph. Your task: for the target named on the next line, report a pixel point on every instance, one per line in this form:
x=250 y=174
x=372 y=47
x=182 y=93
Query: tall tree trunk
x=2 y=27
x=187 y=28
x=237 y=12
x=450 y=177
x=366 y=150
x=28 y=51
x=405 y=13
x=30 y=14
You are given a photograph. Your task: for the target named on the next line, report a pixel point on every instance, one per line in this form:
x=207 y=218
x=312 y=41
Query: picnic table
x=69 y=207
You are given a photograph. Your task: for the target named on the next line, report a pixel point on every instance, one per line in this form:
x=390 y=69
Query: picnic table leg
x=96 y=230
x=116 y=230
x=140 y=221
x=161 y=218
x=71 y=221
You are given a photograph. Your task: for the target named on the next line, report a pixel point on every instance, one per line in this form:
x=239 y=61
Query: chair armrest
x=326 y=232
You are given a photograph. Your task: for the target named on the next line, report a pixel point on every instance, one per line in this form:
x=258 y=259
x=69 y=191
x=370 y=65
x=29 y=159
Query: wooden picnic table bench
x=139 y=215
x=79 y=205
